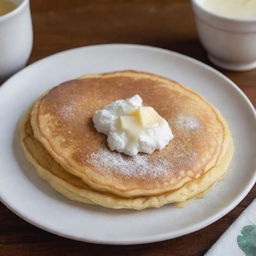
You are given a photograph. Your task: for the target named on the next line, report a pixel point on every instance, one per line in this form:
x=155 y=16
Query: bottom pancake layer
x=74 y=188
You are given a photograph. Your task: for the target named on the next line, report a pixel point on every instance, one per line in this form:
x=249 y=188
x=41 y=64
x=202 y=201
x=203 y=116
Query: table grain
x=64 y=24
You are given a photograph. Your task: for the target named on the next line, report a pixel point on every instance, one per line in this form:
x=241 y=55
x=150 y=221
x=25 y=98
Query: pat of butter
x=140 y=119
x=147 y=116
x=130 y=124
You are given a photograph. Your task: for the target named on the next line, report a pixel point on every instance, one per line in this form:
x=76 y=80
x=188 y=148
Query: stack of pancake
x=59 y=139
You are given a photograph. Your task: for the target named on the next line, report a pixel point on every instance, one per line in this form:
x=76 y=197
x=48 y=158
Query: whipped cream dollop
x=132 y=128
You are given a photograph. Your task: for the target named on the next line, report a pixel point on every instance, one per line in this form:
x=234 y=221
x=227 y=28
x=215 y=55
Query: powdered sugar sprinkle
x=187 y=122
x=139 y=165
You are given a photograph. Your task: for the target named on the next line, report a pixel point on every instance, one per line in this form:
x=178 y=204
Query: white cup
x=230 y=42
x=16 y=39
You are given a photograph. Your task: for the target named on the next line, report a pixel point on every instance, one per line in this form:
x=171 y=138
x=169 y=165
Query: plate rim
x=147 y=238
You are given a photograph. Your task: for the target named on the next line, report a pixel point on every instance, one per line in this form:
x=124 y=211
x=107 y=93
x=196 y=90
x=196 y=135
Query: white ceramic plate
x=32 y=199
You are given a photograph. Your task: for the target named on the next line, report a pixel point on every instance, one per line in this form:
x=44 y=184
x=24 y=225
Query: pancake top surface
x=62 y=122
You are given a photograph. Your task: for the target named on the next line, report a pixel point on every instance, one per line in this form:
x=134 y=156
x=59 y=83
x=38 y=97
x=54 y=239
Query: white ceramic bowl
x=230 y=42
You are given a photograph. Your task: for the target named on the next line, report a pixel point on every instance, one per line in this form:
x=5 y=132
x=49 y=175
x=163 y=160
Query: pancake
x=62 y=123
x=74 y=188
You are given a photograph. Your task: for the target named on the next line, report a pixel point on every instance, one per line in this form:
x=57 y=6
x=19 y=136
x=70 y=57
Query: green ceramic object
x=247 y=240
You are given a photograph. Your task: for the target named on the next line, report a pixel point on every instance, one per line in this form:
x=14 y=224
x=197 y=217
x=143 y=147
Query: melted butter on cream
x=132 y=128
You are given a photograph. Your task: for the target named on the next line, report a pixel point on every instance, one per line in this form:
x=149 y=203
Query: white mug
x=16 y=39
x=230 y=42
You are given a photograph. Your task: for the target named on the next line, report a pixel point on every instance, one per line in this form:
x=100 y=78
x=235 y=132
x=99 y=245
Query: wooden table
x=64 y=24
